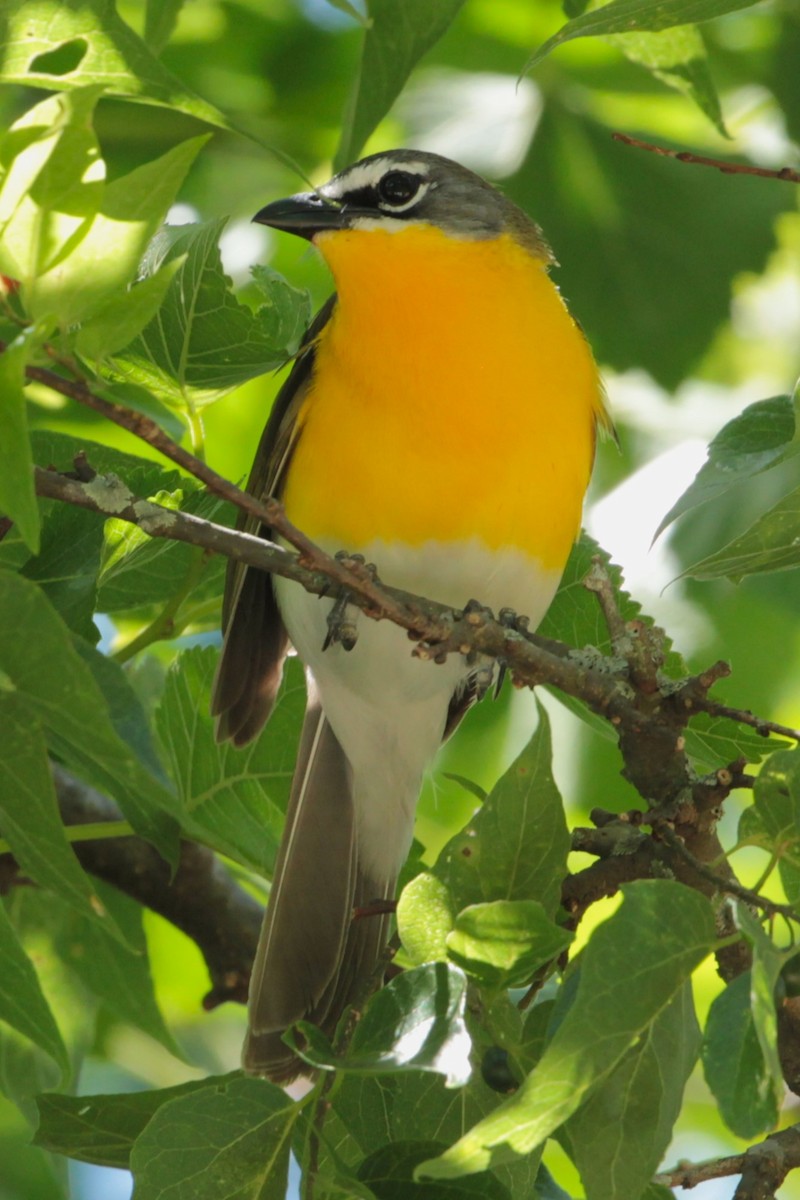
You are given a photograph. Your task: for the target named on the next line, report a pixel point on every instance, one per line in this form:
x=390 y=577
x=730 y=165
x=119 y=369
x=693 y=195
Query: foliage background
x=686 y=282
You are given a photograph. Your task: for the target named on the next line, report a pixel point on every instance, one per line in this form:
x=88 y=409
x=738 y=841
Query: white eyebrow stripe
x=365 y=175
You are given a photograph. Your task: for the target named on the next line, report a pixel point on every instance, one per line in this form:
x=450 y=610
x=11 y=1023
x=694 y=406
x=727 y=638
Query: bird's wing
x=251 y=664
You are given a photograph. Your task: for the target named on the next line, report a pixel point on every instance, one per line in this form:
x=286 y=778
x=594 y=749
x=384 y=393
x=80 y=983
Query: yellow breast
x=453 y=398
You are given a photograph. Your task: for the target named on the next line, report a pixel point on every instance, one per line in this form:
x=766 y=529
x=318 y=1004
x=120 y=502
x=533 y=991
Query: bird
x=440 y=419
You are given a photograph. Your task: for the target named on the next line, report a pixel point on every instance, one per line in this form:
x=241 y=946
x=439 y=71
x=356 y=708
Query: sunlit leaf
x=501 y=944
x=415 y=1023
x=619 y=1136
x=17 y=494
x=100 y=50
x=678 y=58
x=623 y=16
x=425 y=916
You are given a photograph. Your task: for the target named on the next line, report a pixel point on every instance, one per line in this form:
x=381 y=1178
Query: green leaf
x=160 y=19
x=52 y=187
x=202 y=341
x=576 y=617
x=56 y=689
x=772 y=543
x=17 y=493
x=425 y=916
x=614 y=206
x=369 y=1112
x=109 y=54
x=768 y=962
x=416 y=1023
x=626 y=978
x=624 y=16
x=394 y=42
x=22 y=1002
x=118 y=975
x=755 y=440
x=773 y=821
x=29 y=817
x=619 y=1135
x=678 y=58
x=231 y=1140
x=124 y=317
x=712 y=741
x=517 y=844
x=67 y=565
x=734 y=1064
x=124 y=706
x=502 y=943
x=102 y=1129
x=389 y=1172
x=107 y=259
x=232 y=799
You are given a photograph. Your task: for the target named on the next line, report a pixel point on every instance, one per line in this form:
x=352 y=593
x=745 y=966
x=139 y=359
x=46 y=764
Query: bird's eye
x=397 y=188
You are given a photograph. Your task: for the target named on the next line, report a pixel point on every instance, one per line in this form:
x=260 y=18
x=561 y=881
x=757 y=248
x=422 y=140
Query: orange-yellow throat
x=453 y=398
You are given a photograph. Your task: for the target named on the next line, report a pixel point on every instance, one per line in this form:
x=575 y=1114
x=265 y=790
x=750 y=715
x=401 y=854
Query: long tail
x=313 y=958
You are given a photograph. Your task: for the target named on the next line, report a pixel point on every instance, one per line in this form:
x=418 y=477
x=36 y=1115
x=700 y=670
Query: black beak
x=305 y=214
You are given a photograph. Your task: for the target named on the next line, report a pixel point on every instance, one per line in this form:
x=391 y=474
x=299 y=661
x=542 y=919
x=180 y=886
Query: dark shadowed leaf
x=734 y=1064
x=228 y=1142
x=102 y=1129
x=22 y=1002
x=389 y=1172
x=394 y=42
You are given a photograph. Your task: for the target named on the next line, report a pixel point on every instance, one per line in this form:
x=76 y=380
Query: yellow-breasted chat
x=441 y=420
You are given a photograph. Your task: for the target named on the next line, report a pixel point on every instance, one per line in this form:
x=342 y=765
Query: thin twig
x=727 y=168
x=763 y=1167
x=744 y=717
x=723 y=882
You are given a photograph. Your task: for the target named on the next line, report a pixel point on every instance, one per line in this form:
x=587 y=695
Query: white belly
x=388 y=708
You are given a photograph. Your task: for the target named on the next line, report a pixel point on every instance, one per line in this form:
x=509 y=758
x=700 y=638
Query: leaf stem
x=94 y=831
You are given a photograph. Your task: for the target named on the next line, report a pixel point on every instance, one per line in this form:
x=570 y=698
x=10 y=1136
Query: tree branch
x=727 y=168
x=763 y=1167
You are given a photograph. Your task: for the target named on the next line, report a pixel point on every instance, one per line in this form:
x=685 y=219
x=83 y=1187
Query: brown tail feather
x=313 y=959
